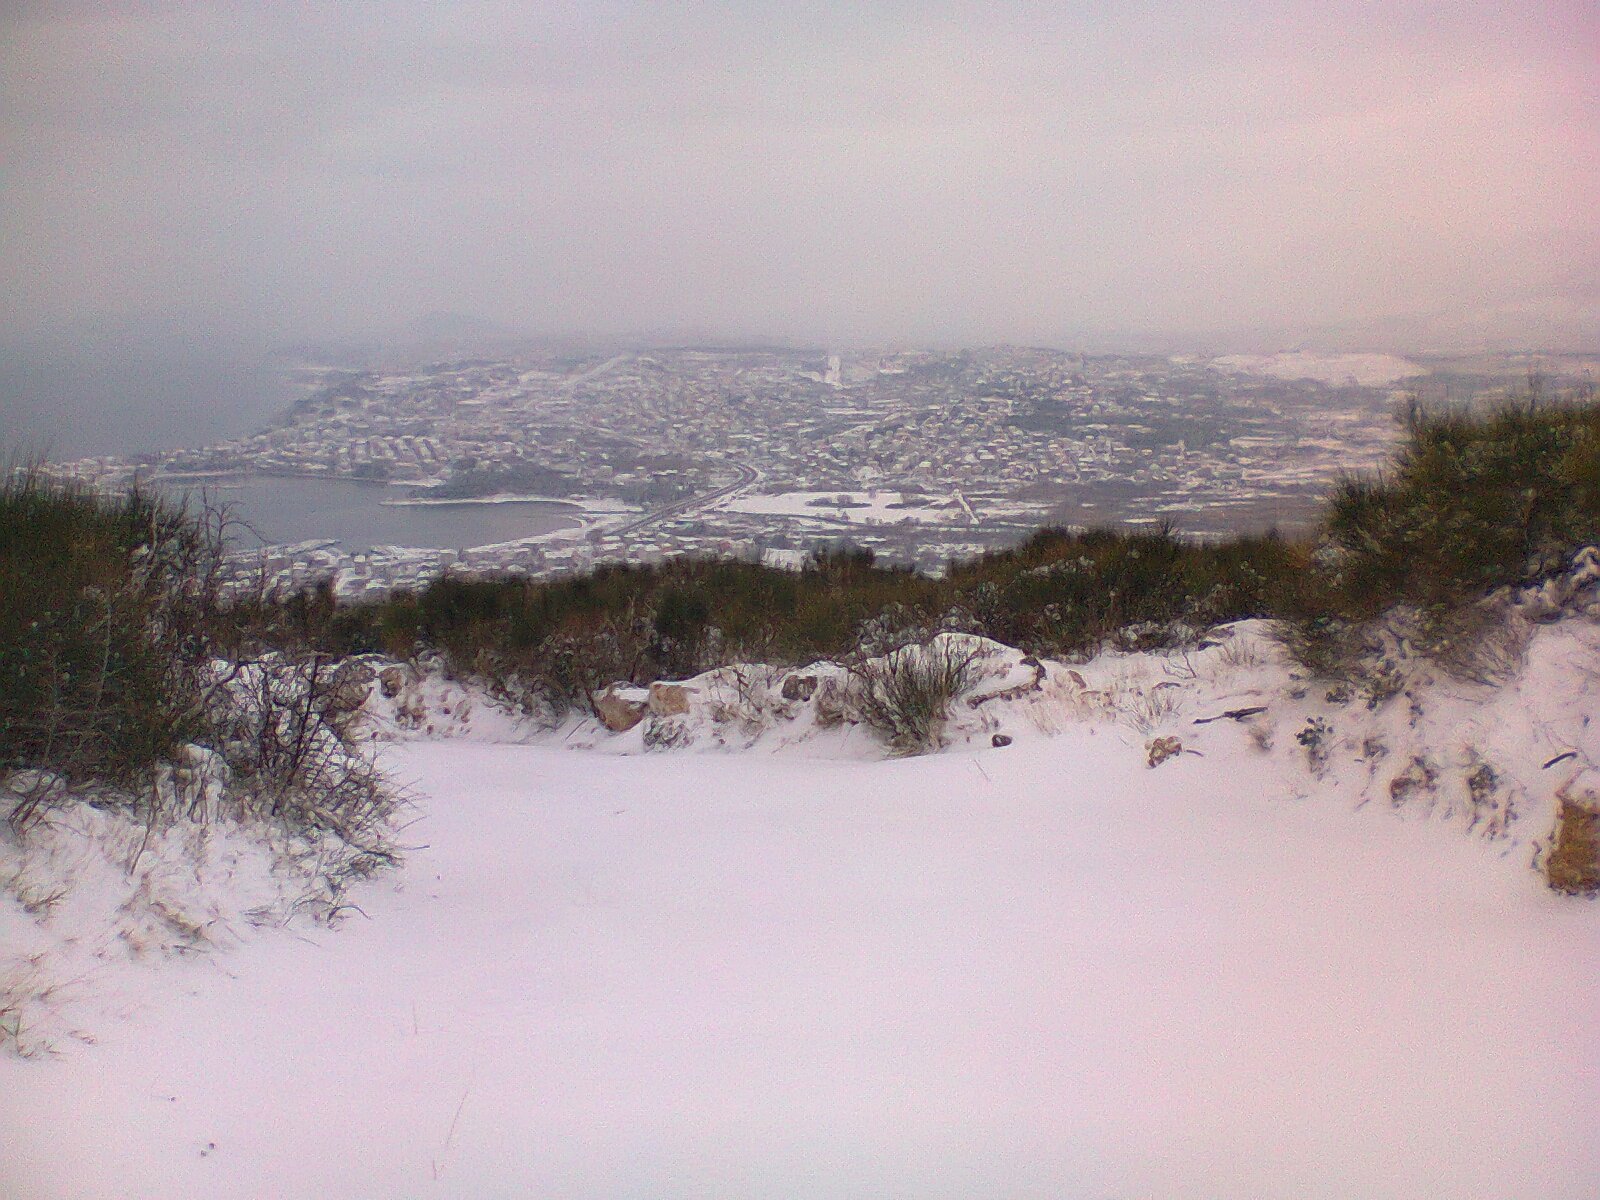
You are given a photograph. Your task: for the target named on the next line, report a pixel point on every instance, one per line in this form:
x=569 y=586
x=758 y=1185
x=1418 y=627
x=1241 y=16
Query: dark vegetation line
x=110 y=616
x=1470 y=504
x=122 y=681
x=103 y=605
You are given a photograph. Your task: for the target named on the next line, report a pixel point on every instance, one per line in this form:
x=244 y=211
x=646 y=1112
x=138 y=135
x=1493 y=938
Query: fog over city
x=187 y=186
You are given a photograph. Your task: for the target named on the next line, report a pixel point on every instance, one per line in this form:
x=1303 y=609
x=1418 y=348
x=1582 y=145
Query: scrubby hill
x=1048 y=967
x=1167 y=830
x=1471 y=505
x=157 y=798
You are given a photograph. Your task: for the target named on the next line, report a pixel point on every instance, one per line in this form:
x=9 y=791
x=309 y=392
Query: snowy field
x=1366 y=370
x=736 y=951
x=1041 y=971
x=882 y=507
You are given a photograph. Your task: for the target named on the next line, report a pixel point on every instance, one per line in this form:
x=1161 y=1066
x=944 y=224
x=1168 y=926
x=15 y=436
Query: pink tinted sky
x=912 y=172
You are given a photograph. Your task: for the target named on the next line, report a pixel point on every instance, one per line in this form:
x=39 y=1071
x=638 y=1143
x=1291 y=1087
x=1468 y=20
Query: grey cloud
x=843 y=171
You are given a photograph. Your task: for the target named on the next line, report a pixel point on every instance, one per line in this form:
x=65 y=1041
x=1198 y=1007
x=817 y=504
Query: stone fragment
x=1573 y=864
x=1162 y=748
x=392 y=680
x=799 y=687
x=350 y=686
x=621 y=708
x=669 y=699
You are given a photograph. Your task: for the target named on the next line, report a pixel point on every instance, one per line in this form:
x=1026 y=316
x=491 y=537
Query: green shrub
x=1471 y=504
x=103 y=605
x=1065 y=592
x=557 y=639
x=111 y=684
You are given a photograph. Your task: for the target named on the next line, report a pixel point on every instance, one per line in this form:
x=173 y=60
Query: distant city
x=921 y=456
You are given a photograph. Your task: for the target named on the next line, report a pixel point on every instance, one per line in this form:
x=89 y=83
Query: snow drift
x=1181 y=924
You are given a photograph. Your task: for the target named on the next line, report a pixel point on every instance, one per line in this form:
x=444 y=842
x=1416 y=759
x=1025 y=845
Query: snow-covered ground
x=773 y=963
x=1366 y=370
x=883 y=507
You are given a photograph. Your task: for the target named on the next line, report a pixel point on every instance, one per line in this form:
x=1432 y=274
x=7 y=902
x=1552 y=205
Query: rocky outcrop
x=799 y=687
x=621 y=707
x=670 y=699
x=1573 y=865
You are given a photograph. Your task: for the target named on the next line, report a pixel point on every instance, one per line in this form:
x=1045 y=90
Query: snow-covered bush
x=111 y=685
x=104 y=603
x=1472 y=504
x=1481 y=525
x=906 y=695
x=125 y=733
x=285 y=727
x=89 y=892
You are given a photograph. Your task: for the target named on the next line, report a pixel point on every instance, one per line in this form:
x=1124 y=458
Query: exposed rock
x=350 y=686
x=799 y=687
x=1162 y=748
x=622 y=707
x=1573 y=866
x=834 y=704
x=392 y=680
x=1420 y=776
x=669 y=699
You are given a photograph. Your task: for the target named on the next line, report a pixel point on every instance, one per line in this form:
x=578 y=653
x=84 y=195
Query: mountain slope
x=1045 y=970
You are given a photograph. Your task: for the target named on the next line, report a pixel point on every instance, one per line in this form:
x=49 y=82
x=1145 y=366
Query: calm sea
x=295 y=510
x=133 y=399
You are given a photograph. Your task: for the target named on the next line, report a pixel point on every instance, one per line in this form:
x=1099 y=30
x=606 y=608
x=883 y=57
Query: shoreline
x=494 y=498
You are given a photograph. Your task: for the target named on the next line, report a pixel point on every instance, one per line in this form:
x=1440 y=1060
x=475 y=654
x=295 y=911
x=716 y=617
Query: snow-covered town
x=920 y=456
x=765 y=601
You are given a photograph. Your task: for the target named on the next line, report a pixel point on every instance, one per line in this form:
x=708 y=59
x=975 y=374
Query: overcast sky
x=835 y=171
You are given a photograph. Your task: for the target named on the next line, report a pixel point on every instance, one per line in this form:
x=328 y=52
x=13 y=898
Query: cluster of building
x=763 y=453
